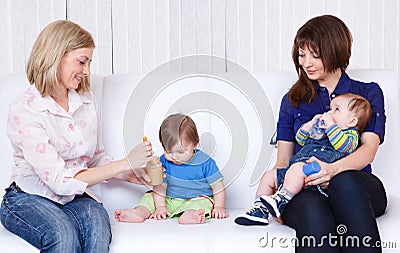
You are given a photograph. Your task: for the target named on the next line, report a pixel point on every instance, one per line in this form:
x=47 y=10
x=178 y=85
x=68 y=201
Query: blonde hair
x=54 y=41
x=175 y=127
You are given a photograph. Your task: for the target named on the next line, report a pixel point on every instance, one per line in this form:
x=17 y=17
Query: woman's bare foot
x=135 y=215
x=192 y=217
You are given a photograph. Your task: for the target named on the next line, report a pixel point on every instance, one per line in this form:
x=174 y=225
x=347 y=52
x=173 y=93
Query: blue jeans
x=81 y=225
x=355 y=199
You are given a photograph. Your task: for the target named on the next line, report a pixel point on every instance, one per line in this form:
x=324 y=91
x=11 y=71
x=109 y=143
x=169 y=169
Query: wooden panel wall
x=138 y=35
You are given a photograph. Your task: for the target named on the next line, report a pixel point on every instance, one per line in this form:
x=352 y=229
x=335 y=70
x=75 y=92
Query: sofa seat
x=113 y=93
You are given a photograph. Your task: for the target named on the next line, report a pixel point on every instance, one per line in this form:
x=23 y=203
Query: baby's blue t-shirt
x=192 y=179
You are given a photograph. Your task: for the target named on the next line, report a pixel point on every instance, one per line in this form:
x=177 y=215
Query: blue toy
x=311 y=168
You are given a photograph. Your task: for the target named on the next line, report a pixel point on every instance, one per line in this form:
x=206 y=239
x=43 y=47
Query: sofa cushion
x=113 y=95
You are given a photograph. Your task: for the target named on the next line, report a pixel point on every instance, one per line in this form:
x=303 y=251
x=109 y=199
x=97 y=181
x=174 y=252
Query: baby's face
x=340 y=112
x=181 y=153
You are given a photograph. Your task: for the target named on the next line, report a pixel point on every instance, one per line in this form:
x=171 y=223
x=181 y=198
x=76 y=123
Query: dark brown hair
x=329 y=37
x=176 y=127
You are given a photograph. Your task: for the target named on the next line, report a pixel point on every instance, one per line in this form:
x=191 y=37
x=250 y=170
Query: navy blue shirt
x=291 y=118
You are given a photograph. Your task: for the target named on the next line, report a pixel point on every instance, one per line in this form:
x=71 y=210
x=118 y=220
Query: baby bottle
x=154 y=171
x=317 y=130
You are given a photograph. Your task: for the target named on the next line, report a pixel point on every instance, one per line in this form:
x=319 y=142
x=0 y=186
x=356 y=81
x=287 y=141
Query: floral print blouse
x=52 y=145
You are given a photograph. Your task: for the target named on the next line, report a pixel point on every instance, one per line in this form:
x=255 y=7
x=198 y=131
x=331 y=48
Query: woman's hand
x=324 y=176
x=136 y=159
x=140 y=155
x=136 y=176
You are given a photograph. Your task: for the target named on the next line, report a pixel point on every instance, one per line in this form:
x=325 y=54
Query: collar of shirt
x=323 y=99
x=48 y=104
x=342 y=86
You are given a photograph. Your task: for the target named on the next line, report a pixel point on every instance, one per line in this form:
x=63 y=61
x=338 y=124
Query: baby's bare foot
x=192 y=217
x=134 y=215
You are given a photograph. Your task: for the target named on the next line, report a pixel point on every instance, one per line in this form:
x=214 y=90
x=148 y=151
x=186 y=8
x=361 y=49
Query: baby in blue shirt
x=193 y=189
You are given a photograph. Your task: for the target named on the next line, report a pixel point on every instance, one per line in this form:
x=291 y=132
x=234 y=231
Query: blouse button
x=333 y=95
x=327 y=107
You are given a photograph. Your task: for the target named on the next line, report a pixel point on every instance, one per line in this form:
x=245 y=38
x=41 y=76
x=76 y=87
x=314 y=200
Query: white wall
x=137 y=35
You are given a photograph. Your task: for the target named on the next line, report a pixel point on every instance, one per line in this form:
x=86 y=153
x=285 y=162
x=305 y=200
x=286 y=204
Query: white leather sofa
x=236 y=119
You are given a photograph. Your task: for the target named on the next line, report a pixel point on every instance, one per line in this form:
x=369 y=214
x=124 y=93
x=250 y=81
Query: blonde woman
x=55 y=134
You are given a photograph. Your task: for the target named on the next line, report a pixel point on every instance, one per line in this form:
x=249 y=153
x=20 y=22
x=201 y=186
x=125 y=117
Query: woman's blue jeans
x=345 y=221
x=81 y=225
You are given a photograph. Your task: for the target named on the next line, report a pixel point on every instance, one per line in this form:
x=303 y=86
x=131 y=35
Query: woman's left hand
x=323 y=177
x=132 y=176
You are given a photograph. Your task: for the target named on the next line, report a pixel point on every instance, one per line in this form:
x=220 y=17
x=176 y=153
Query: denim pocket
x=11 y=191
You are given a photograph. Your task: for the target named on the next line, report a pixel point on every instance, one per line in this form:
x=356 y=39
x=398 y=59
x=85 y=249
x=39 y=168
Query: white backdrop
x=138 y=35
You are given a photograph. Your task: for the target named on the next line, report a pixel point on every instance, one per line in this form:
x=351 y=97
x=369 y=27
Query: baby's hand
x=308 y=125
x=327 y=119
x=219 y=212
x=161 y=213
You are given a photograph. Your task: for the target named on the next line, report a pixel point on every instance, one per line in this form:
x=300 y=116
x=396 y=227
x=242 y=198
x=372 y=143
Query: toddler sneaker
x=276 y=203
x=257 y=215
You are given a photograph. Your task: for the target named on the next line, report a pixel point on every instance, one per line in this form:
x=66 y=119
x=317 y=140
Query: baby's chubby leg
x=292 y=184
x=135 y=215
x=294 y=178
x=267 y=185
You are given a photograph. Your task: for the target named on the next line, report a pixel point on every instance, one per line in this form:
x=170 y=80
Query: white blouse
x=52 y=145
